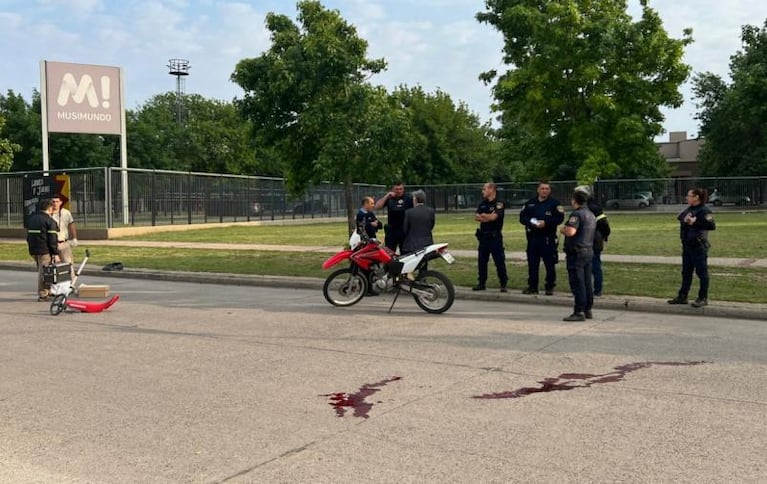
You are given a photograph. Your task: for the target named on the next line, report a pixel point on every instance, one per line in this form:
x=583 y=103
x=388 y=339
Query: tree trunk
x=348 y=194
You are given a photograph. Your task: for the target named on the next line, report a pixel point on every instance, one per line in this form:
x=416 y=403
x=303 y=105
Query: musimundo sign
x=82 y=98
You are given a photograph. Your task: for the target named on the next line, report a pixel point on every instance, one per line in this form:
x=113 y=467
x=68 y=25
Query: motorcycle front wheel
x=441 y=292
x=344 y=288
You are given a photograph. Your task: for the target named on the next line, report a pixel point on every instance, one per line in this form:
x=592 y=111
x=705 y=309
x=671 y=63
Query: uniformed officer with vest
x=540 y=216
x=396 y=203
x=579 y=250
x=43 y=243
x=489 y=234
x=600 y=237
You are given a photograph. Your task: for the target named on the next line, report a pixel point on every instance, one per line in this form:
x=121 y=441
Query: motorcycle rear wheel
x=441 y=289
x=344 y=288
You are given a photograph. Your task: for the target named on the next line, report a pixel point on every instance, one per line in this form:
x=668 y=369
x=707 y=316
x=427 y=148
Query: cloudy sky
x=434 y=43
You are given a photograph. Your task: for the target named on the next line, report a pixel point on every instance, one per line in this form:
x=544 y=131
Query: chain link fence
x=155 y=197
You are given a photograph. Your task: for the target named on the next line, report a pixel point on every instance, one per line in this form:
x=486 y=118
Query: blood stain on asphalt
x=342 y=401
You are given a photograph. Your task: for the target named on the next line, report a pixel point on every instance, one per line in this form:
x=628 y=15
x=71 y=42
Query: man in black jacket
x=43 y=241
x=419 y=222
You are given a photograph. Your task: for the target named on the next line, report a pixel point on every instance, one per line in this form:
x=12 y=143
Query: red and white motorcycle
x=374 y=268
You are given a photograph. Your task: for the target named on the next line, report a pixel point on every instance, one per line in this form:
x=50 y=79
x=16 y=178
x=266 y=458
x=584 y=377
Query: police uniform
x=365 y=222
x=541 y=243
x=43 y=242
x=579 y=250
x=490 y=237
x=395 y=229
x=600 y=237
x=695 y=247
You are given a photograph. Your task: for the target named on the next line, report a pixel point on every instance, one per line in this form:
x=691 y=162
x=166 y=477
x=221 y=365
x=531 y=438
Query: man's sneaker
x=589 y=315
x=530 y=290
x=503 y=289
x=43 y=298
x=549 y=292
x=699 y=303
x=598 y=294
x=575 y=317
x=678 y=300
x=478 y=287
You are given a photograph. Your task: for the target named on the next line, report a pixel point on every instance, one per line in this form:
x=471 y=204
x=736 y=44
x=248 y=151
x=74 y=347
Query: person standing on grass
x=540 y=216
x=396 y=203
x=695 y=222
x=419 y=223
x=366 y=219
x=43 y=244
x=490 y=237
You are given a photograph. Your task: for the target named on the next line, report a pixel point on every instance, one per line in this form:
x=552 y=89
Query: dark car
x=718 y=199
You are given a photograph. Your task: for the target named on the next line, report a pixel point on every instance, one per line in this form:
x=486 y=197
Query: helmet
x=584 y=189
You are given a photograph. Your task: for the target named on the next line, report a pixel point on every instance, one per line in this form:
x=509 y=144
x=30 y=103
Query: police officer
x=540 y=216
x=396 y=204
x=579 y=250
x=694 y=223
x=490 y=217
x=600 y=237
x=43 y=243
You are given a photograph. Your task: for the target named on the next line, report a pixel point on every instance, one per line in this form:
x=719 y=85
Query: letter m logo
x=78 y=92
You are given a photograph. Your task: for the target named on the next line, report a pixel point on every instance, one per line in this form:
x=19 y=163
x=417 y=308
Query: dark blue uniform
x=542 y=243
x=366 y=221
x=695 y=247
x=490 y=237
x=395 y=229
x=579 y=250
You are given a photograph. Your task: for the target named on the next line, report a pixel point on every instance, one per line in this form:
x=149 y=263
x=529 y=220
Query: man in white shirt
x=67 y=232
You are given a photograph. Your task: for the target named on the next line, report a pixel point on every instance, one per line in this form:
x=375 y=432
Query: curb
x=719 y=309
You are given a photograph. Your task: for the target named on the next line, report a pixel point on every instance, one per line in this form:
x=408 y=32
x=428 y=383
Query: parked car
x=718 y=199
x=633 y=200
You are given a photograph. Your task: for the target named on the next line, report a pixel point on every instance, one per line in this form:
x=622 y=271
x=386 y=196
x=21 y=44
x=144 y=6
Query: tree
x=313 y=109
x=734 y=117
x=7 y=149
x=449 y=145
x=212 y=137
x=66 y=150
x=583 y=95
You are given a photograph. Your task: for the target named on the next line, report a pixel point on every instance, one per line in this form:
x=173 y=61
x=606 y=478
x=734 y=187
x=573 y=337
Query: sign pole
x=123 y=151
x=44 y=116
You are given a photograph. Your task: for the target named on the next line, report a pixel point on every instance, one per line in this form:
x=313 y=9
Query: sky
x=436 y=44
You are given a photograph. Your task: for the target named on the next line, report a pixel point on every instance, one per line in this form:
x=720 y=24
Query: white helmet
x=584 y=189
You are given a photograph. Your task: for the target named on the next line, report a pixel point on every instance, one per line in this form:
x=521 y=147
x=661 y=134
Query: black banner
x=36 y=188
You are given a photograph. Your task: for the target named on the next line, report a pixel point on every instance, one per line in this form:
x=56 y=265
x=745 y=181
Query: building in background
x=681 y=154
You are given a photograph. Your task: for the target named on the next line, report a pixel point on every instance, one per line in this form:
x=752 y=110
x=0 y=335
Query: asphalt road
x=184 y=382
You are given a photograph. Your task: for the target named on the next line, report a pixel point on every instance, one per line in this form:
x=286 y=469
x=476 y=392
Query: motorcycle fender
x=341 y=256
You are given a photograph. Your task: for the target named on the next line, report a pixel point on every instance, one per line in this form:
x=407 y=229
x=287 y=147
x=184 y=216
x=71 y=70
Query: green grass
x=737 y=234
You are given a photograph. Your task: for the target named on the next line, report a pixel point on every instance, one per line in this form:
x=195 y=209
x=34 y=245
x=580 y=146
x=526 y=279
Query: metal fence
x=156 y=197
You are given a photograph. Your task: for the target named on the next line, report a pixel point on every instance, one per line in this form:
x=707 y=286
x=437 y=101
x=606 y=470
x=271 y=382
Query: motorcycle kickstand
x=396 y=295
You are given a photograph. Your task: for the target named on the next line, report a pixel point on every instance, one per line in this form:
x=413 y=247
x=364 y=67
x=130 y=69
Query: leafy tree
x=583 y=95
x=7 y=149
x=313 y=110
x=66 y=150
x=734 y=117
x=450 y=146
x=212 y=137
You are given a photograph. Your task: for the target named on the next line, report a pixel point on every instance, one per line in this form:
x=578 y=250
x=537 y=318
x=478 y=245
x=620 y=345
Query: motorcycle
x=376 y=269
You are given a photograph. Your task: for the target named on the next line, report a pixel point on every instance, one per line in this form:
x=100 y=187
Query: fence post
x=153 y=198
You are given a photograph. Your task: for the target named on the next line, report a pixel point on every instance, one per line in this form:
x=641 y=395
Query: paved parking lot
x=182 y=382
